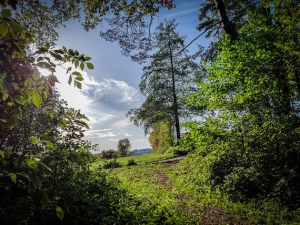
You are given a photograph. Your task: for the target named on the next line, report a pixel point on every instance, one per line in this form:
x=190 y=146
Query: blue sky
x=112 y=88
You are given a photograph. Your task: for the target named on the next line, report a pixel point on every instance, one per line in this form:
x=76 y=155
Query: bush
x=131 y=162
x=111 y=164
x=178 y=150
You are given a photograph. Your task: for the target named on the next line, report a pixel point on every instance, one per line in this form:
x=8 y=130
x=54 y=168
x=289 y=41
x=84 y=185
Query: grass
x=139 y=159
x=175 y=195
x=161 y=201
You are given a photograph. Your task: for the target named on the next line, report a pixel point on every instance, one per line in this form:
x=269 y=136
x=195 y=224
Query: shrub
x=111 y=164
x=131 y=162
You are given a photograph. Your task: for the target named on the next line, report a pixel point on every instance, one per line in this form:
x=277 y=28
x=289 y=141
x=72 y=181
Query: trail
x=208 y=215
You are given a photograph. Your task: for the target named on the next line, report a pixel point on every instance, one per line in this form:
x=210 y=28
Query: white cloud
x=100 y=118
x=113 y=91
x=97 y=134
x=127 y=135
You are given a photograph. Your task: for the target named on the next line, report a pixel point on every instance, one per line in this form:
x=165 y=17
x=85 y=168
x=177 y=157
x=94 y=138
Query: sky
x=112 y=88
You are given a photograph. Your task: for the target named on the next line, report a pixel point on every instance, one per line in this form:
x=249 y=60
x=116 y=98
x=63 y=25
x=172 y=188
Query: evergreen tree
x=170 y=76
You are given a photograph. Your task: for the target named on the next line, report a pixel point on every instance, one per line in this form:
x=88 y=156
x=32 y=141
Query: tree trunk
x=228 y=27
x=175 y=104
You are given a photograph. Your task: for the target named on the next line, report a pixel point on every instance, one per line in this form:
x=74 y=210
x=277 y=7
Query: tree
x=253 y=138
x=170 y=76
x=31 y=130
x=161 y=137
x=123 y=147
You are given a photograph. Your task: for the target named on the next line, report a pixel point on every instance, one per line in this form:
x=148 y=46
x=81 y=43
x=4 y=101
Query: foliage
x=108 y=154
x=131 y=162
x=191 y=176
x=111 y=164
x=123 y=147
x=250 y=138
x=160 y=138
x=44 y=17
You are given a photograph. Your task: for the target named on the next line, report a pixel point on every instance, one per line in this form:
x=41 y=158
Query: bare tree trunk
x=175 y=104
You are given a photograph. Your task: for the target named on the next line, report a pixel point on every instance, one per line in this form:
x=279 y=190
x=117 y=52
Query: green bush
x=131 y=162
x=111 y=164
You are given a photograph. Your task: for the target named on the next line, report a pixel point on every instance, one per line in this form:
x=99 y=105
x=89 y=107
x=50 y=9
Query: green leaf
x=37 y=183
x=87 y=58
x=76 y=73
x=82 y=66
x=51 y=115
x=56 y=56
x=40 y=59
x=13 y=177
x=71 y=52
x=47 y=46
x=76 y=64
x=31 y=163
x=36 y=98
x=16 y=27
x=70 y=80
x=35 y=140
x=45 y=198
x=50 y=144
x=13 y=121
x=10 y=104
x=59 y=213
x=4 y=96
x=14 y=36
x=52 y=79
x=59 y=51
x=45 y=166
x=44 y=65
x=6 y=13
x=79 y=85
x=2 y=154
x=20 y=99
x=3 y=30
x=66 y=207
x=79 y=78
x=90 y=66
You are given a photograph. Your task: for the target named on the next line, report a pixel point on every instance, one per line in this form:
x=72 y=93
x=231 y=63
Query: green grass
x=160 y=202
x=139 y=159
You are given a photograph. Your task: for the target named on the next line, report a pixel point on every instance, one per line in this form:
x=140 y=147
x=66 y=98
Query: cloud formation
x=112 y=91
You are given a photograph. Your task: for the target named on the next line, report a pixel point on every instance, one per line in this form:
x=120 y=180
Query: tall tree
x=170 y=76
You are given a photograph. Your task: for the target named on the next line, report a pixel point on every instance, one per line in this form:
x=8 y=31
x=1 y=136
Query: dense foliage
x=248 y=144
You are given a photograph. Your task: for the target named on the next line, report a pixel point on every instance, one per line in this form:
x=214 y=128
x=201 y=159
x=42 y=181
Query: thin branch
x=196 y=38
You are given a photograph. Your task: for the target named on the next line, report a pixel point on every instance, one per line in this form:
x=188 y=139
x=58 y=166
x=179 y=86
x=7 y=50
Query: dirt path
x=208 y=215
x=171 y=160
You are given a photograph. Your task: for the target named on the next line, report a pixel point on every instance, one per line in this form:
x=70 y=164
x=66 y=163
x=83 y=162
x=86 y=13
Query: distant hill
x=141 y=151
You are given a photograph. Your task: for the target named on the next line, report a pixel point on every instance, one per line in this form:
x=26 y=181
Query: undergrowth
x=190 y=176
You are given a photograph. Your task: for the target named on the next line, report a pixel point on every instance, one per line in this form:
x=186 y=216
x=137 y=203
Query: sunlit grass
x=139 y=159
